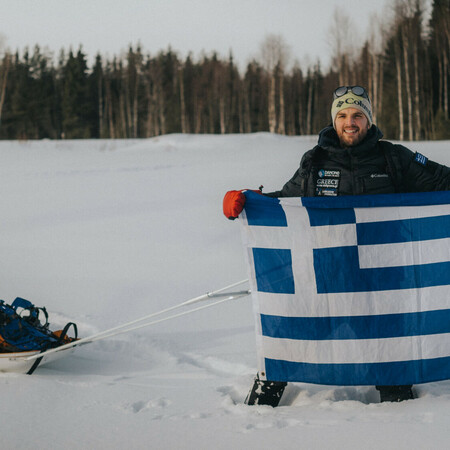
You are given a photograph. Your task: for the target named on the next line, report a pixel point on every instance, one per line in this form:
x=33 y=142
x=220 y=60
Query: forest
x=403 y=62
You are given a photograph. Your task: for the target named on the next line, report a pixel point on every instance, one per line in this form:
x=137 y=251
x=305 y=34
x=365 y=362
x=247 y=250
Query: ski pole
x=121 y=330
x=200 y=298
x=111 y=331
x=137 y=327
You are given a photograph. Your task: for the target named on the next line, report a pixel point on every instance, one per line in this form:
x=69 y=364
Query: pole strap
x=129 y=326
x=137 y=327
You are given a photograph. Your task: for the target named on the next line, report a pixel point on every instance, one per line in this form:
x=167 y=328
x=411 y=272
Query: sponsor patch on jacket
x=329 y=173
x=327 y=183
x=421 y=159
x=326 y=192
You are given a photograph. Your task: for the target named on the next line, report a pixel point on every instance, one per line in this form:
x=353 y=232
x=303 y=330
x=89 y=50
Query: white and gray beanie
x=350 y=100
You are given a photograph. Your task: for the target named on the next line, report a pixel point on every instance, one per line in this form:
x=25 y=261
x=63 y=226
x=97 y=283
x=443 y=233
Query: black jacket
x=372 y=167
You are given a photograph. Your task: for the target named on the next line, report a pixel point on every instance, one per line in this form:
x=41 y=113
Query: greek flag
x=350 y=290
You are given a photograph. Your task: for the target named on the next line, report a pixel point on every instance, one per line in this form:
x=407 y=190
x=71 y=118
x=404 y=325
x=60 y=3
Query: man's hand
x=233 y=204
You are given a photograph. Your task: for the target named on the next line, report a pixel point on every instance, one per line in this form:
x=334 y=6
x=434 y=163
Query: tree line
x=404 y=63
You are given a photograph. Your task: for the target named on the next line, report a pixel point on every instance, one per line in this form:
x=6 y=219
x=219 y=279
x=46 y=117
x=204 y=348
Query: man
x=350 y=159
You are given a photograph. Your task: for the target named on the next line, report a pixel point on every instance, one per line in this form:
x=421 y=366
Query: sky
x=197 y=26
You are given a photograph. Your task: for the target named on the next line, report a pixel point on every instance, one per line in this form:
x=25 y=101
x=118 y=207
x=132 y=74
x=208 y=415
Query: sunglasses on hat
x=357 y=90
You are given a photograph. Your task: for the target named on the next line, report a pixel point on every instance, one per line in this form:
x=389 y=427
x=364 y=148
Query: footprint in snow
x=143 y=405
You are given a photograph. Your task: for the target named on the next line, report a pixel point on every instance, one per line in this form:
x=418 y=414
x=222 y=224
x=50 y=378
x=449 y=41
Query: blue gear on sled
x=21 y=328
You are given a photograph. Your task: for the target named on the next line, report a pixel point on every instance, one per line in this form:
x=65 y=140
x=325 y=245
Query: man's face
x=351 y=126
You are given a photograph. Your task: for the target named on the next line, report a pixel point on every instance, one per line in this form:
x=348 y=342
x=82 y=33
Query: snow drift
x=102 y=232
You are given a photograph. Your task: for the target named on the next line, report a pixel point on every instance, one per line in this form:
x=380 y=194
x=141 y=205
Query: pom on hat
x=350 y=100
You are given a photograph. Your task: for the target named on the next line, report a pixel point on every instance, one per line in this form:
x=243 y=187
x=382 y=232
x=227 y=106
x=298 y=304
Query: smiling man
x=351 y=127
x=352 y=117
x=350 y=159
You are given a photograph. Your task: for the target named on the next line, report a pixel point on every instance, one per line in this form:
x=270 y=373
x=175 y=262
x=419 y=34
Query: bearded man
x=350 y=159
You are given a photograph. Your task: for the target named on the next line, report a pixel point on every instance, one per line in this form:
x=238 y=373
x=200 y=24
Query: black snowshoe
x=265 y=392
x=395 y=393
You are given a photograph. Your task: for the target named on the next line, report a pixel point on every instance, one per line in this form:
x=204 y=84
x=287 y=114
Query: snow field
x=103 y=232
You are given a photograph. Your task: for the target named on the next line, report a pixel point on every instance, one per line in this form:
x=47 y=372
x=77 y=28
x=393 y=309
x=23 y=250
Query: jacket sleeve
x=422 y=175
x=296 y=186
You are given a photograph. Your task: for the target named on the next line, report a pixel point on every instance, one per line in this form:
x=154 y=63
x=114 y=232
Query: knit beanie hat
x=350 y=100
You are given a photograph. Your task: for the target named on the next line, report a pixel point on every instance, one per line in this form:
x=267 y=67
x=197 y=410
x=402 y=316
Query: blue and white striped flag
x=351 y=290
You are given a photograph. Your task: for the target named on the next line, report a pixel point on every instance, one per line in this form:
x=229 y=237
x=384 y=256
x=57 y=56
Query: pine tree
x=77 y=109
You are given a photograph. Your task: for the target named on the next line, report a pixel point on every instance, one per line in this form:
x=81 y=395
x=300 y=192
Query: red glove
x=234 y=201
x=233 y=204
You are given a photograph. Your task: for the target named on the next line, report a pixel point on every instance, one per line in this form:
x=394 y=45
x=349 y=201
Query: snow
x=103 y=232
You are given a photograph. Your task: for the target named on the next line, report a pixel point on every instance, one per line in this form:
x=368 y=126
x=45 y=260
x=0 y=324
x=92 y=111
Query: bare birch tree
x=4 y=71
x=378 y=30
x=4 y=78
x=341 y=40
x=184 y=121
x=275 y=55
x=408 y=20
x=441 y=46
x=398 y=67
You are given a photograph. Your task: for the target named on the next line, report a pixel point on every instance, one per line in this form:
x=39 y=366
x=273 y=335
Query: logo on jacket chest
x=327 y=183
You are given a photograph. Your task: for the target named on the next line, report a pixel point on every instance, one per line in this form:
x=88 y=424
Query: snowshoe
x=265 y=392
x=395 y=393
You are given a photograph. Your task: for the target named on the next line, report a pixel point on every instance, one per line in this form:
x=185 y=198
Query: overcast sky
x=109 y=26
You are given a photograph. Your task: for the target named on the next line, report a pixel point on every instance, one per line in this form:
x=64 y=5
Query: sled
x=24 y=338
x=61 y=344
x=19 y=362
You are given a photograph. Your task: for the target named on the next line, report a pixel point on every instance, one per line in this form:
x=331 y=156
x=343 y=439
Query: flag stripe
x=356 y=327
x=355 y=351
x=353 y=304
x=384 y=374
x=380 y=200
x=355 y=279
x=404 y=253
x=395 y=213
x=321 y=217
x=394 y=231
x=341 y=235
